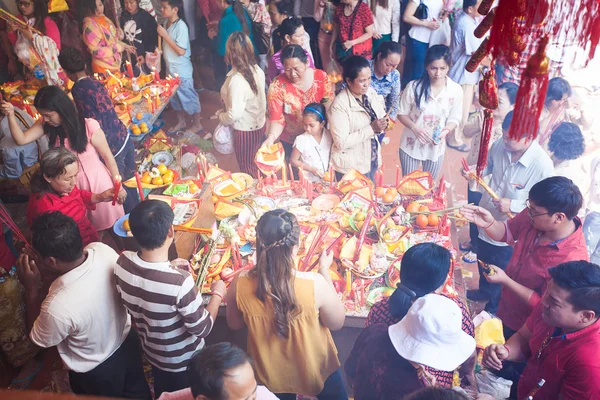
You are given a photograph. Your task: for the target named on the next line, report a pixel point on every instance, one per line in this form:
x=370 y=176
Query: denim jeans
x=591 y=231
x=334 y=389
x=414 y=61
x=498 y=256
x=126 y=164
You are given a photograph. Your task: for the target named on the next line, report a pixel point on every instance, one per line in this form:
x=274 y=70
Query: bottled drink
x=38 y=72
x=535 y=389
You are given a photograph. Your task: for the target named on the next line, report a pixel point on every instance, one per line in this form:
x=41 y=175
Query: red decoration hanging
x=484 y=146
x=488 y=90
x=485 y=25
x=531 y=95
x=484 y=7
x=479 y=54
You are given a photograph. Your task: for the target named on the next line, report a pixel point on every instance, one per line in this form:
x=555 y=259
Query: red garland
x=486 y=136
x=488 y=90
x=531 y=95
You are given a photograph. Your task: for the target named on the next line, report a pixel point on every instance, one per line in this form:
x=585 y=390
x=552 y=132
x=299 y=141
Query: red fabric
x=363 y=19
x=7 y=258
x=74 y=204
x=51 y=31
x=529 y=265
x=210 y=10
x=570 y=364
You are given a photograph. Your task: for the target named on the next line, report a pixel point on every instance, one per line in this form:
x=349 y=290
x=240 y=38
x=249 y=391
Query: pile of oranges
x=423 y=217
x=160 y=175
x=386 y=195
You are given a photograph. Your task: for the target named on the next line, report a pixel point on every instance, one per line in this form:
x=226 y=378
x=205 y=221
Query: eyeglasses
x=530 y=212
x=24 y=3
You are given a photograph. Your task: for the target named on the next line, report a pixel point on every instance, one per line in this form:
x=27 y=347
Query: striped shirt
x=166 y=308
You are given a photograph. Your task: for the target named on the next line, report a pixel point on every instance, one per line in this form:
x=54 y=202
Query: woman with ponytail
x=245 y=100
x=430 y=108
x=289 y=315
x=424 y=270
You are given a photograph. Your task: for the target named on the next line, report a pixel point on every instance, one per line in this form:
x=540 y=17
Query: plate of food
x=162 y=157
x=121 y=227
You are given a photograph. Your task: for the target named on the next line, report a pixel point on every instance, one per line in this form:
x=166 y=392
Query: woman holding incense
x=101 y=37
x=289 y=314
x=65 y=127
x=36 y=42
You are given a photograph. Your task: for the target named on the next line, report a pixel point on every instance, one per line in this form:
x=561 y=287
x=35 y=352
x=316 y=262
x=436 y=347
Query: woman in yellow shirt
x=289 y=315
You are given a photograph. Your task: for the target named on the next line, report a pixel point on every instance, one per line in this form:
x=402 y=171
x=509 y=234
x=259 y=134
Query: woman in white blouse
x=430 y=108
x=417 y=39
x=386 y=18
x=243 y=95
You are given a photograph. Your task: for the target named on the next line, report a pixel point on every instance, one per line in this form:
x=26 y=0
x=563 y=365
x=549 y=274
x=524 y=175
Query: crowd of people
x=537 y=243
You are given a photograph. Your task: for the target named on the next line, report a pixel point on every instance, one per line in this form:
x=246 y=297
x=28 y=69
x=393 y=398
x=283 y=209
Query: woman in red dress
x=353 y=31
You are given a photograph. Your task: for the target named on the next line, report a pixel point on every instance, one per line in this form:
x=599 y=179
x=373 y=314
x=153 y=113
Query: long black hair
x=242 y=15
x=40 y=12
x=53 y=98
x=85 y=8
x=423 y=85
x=385 y=49
x=289 y=27
x=424 y=269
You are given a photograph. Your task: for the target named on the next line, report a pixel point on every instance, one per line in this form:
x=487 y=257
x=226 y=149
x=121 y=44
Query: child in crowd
x=139 y=28
x=312 y=148
x=54 y=189
x=177 y=54
x=162 y=299
x=464 y=43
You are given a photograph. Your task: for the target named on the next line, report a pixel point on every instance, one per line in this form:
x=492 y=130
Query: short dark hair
x=352 y=66
x=208 y=368
x=566 y=141
x=582 y=280
x=71 y=60
x=175 y=3
x=424 y=268
x=557 y=194
x=150 y=222
x=468 y=3
x=284 y=7
x=386 y=48
x=57 y=235
x=507 y=121
x=557 y=88
x=511 y=91
x=293 y=51
x=436 y=393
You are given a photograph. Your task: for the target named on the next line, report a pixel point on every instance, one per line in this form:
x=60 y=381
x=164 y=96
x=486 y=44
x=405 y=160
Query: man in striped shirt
x=162 y=299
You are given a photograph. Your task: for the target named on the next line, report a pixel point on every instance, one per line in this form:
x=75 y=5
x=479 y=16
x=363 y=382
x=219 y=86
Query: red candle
x=330 y=176
x=156 y=74
x=28 y=107
x=291 y=174
x=138 y=181
x=397 y=175
x=129 y=69
x=116 y=188
x=301 y=175
x=310 y=191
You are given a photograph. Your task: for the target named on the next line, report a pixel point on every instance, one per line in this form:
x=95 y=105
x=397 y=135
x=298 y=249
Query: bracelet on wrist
x=219 y=295
x=507 y=349
x=487 y=227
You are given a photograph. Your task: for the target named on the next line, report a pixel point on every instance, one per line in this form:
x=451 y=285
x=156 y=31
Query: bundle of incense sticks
x=361 y=236
x=329 y=248
x=484 y=185
x=8 y=17
x=321 y=232
x=7 y=220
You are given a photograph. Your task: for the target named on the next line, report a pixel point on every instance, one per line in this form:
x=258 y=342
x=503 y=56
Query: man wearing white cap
x=391 y=362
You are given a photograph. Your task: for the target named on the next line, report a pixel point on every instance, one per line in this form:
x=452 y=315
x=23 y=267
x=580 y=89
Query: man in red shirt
x=561 y=338
x=545 y=234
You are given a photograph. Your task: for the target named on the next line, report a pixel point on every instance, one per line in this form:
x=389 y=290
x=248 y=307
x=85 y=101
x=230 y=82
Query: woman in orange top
x=289 y=315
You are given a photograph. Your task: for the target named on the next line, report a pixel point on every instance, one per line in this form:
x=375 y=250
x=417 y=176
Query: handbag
x=422 y=11
x=342 y=54
x=262 y=41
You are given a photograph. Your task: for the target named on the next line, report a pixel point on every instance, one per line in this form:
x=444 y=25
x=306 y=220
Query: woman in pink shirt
x=37 y=45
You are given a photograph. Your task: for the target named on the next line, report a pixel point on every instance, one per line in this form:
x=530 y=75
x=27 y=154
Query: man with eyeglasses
x=547 y=233
x=561 y=338
x=514 y=166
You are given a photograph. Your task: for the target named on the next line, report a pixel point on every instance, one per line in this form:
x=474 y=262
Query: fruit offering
x=159 y=175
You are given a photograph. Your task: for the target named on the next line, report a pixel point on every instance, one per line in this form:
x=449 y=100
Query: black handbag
x=262 y=41
x=422 y=11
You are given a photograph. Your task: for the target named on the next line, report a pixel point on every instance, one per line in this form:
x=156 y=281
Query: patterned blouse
x=381 y=314
x=100 y=37
x=286 y=102
x=350 y=30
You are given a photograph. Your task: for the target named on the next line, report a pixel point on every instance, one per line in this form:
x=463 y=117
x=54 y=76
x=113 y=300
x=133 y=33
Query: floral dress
x=286 y=102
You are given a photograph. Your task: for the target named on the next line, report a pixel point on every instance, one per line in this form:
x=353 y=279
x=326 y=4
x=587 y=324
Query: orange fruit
x=327 y=176
x=167 y=178
x=423 y=209
x=136 y=131
x=194 y=188
x=157 y=181
x=379 y=191
x=144 y=129
x=215 y=199
x=162 y=168
x=146 y=178
x=388 y=197
x=421 y=221
x=170 y=173
x=433 y=220
x=392 y=191
x=139 y=116
x=413 y=207
x=126 y=226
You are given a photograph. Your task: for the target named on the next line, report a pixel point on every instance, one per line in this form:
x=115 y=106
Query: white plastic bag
x=443 y=35
x=493 y=385
x=223 y=139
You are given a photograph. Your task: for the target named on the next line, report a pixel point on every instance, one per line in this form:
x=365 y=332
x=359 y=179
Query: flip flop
x=22 y=384
x=469 y=258
x=463 y=148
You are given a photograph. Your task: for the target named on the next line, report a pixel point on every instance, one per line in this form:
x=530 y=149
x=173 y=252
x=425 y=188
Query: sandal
x=463 y=148
x=22 y=384
x=470 y=257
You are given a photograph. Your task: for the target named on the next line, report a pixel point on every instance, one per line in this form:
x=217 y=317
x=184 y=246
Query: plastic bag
x=223 y=139
x=443 y=35
x=498 y=388
x=153 y=60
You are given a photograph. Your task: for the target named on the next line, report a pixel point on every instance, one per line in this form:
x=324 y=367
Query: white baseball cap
x=431 y=334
